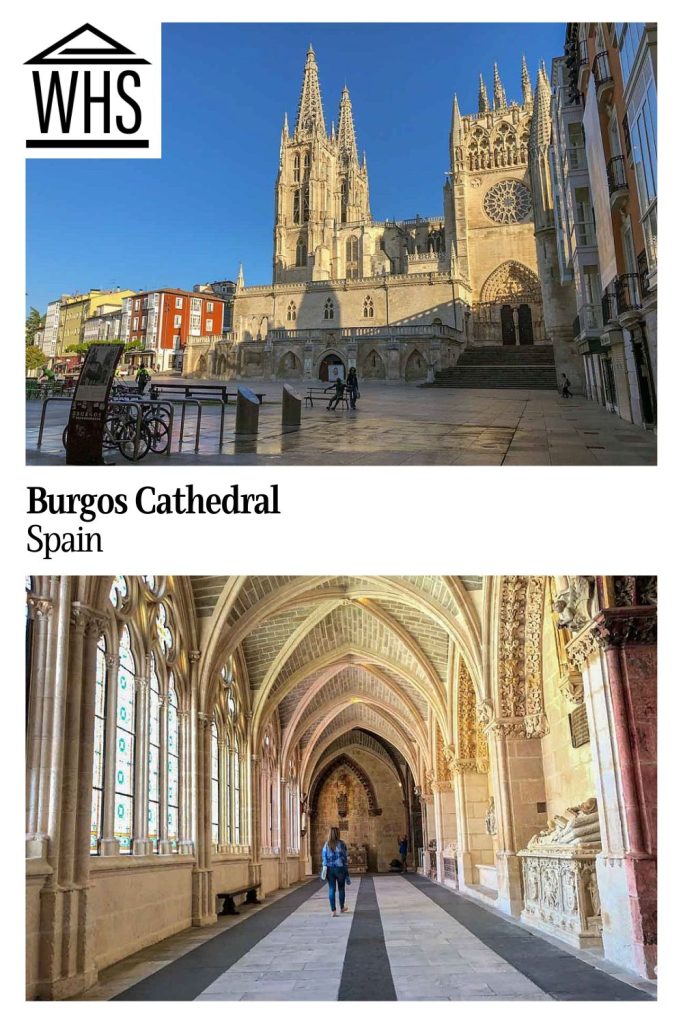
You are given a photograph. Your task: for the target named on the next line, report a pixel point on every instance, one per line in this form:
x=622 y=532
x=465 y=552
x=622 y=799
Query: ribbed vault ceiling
x=327 y=656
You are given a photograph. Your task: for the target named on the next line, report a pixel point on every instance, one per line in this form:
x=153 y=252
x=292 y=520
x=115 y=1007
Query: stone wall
x=138 y=902
x=568 y=770
x=378 y=833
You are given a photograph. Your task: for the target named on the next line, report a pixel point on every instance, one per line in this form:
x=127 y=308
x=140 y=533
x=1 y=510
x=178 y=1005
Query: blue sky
x=207 y=205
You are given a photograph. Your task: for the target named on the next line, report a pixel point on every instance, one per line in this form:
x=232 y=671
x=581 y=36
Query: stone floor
x=399 y=425
x=404 y=938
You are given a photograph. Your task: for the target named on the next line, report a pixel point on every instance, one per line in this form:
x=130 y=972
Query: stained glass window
x=119 y=591
x=173 y=763
x=98 y=757
x=153 y=756
x=236 y=793
x=150 y=581
x=214 y=783
x=125 y=745
x=163 y=632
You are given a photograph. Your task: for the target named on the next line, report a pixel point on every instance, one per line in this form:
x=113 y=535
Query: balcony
x=628 y=293
x=590 y=319
x=609 y=307
x=617 y=182
x=604 y=83
x=643 y=273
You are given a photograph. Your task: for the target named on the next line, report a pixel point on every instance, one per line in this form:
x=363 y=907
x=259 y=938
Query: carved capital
x=194 y=656
x=613 y=627
x=111 y=660
x=507 y=727
x=87 y=620
x=39 y=607
x=203 y=720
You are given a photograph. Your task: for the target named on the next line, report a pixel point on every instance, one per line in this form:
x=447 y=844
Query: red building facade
x=165 y=319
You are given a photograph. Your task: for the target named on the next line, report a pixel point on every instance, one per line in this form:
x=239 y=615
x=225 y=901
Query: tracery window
x=173 y=764
x=125 y=745
x=136 y=790
x=507 y=202
x=328 y=311
x=291 y=311
x=98 y=758
x=215 y=815
x=307 y=164
x=479 y=151
x=352 y=257
x=297 y=167
x=301 y=253
x=153 y=756
x=368 y=308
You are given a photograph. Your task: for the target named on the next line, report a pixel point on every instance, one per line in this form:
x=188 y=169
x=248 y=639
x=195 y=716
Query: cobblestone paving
x=400 y=425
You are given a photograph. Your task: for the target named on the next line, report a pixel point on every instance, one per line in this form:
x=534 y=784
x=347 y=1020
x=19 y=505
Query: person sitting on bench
x=339 y=388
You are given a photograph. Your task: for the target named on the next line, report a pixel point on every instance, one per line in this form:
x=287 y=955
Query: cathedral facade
x=398 y=299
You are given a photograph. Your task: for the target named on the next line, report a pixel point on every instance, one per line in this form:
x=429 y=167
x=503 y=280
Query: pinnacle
x=310 y=114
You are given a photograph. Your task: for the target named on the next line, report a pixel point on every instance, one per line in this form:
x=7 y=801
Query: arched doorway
x=331 y=368
x=507 y=324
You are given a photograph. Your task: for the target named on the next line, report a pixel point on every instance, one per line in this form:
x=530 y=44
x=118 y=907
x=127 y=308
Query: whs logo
x=90 y=95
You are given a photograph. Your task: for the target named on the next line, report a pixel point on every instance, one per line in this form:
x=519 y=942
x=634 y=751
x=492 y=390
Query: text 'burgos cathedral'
x=402 y=299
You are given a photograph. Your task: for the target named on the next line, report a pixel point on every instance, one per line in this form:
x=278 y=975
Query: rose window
x=508 y=202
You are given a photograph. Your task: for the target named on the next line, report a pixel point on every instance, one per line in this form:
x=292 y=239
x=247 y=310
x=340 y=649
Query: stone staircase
x=501 y=366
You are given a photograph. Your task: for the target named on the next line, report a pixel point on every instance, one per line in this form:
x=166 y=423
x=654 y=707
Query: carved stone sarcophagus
x=560 y=882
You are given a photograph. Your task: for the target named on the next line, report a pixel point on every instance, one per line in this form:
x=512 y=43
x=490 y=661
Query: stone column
x=109 y=845
x=165 y=845
x=41 y=666
x=203 y=903
x=66 y=966
x=187 y=718
x=284 y=834
x=256 y=793
x=142 y=845
x=616 y=653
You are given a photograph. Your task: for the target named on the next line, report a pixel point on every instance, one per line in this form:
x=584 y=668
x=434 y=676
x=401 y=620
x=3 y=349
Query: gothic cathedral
x=401 y=299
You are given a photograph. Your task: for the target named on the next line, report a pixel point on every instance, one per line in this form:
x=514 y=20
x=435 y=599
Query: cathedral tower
x=488 y=214
x=320 y=184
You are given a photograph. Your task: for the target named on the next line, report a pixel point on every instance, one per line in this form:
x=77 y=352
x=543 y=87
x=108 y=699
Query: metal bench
x=322 y=395
x=228 y=898
x=200 y=391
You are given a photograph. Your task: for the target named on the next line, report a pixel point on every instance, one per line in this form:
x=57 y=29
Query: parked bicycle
x=121 y=428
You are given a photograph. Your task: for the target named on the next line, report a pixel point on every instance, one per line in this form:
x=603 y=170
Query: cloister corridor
x=483 y=747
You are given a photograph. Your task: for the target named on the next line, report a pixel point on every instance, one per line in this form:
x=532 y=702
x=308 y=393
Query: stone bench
x=488 y=876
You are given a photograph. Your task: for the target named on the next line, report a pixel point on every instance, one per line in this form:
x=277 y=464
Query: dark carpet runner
x=561 y=975
x=189 y=975
x=367 y=974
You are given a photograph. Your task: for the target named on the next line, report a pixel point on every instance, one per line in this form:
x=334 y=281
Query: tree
x=34 y=322
x=35 y=357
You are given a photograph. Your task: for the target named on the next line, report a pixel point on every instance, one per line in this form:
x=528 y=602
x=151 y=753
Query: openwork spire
x=499 y=101
x=346 y=135
x=527 y=91
x=539 y=135
x=483 y=96
x=309 y=118
x=456 y=123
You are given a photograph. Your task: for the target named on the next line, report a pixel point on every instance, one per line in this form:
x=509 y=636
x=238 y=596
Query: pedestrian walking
x=339 y=387
x=403 y=852
x=566 y=393
x=335 y=870
x=352 y=386
x=142 y=377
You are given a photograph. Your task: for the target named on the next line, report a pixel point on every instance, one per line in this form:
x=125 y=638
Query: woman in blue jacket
x=336 y=869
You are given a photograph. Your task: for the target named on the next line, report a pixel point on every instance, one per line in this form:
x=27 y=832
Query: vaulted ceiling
x=324 y=657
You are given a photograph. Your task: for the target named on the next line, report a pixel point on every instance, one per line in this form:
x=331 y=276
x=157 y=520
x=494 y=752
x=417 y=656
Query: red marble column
x=628 y=638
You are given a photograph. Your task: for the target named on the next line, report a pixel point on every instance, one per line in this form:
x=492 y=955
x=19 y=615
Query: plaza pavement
x=399 y=425
x=404 y=938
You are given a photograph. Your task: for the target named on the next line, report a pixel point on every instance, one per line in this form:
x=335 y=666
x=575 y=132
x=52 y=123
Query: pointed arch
x=511 y=280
